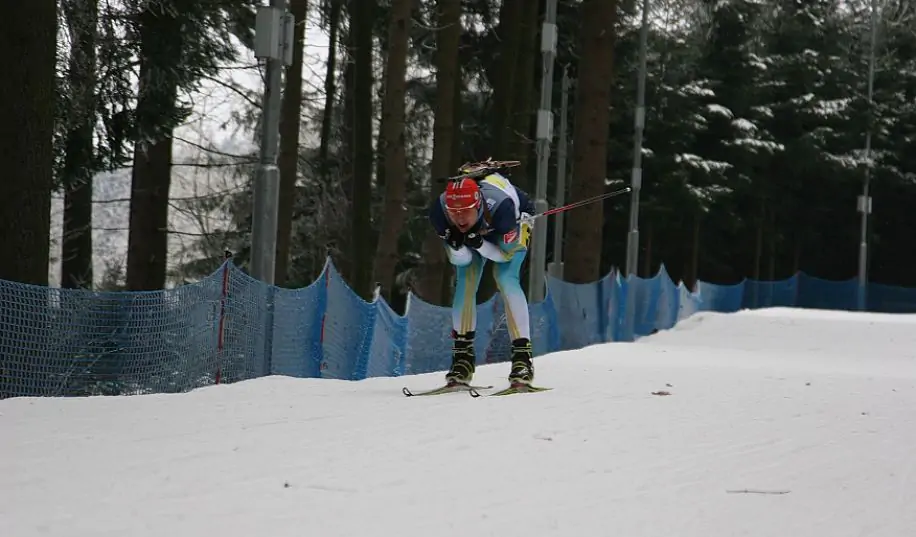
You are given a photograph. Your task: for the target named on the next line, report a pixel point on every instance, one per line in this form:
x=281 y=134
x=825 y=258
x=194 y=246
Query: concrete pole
x=640 y=122
x=556 y=267
x=864 y=201
x=537 y=269
x=273 y=43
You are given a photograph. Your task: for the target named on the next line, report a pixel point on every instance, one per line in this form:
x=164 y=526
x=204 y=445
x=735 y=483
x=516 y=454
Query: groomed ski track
x=778 y=423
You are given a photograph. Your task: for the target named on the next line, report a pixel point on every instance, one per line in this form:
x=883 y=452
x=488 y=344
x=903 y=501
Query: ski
x=447 y=388
x=512 y=389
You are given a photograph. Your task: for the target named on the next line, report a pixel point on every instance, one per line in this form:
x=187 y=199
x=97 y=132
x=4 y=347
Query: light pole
x=639 y=123
x=864 y=202
x=273 y=42
x=536 y=275
x=556 y=268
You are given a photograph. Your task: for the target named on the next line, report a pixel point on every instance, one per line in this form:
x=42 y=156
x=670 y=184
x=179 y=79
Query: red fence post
x=222 y=316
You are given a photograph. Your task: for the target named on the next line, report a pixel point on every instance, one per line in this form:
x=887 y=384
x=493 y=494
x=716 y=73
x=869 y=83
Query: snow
x=744 y=125
x=697 y=89
x=707 y=193
x=778 y=422
x=846 y=161
x=719 y=109
x=754 y=144
x=695 y=161
x=759 y=63
x=802 y=99
x=764 y=111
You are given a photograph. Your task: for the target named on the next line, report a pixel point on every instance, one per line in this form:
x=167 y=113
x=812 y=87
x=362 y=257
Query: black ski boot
x=522 y=371
x=463 y=359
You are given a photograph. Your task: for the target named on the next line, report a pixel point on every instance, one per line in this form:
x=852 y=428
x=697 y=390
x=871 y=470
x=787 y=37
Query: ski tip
x=448 y=388
x=515 y=389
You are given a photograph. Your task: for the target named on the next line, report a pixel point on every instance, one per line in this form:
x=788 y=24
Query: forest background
x=131 y=130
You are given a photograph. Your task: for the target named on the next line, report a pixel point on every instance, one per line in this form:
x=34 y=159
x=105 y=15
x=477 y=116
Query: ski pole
x=579 y=203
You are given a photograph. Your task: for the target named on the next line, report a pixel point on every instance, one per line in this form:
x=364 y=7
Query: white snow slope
x=779 y=423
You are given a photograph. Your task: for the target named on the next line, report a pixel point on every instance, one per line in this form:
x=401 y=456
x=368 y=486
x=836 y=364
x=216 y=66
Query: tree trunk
x=524 y=108
x=647 y=258
x=584 y=225
x=330 y=91
x=395 y=156
x=447 y=285
x=288 y=161
x=512 y=79
x=363 y=15
x=503 y=75
x=695 y=255
x=76 y=241
x=758 y=242
x=160 y=54
x=27 y=105
x=327 y=117
x=772 y=237
x=346 y=150
x=447 y=69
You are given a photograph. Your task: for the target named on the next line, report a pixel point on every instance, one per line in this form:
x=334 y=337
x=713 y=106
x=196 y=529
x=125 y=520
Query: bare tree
x=330 y=89
x=28 y=34
x=76 y=243
x=502 y=78
x=584 y=225
x=288 y=161
x=393 y=145
x=447 y=42
x=361 y=247
x=160 y=53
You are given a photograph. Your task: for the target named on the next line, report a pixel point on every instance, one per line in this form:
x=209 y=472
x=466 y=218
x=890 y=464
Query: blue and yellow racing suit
x=505 y=242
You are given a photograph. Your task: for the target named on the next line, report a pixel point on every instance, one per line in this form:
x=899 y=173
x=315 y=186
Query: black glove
x=454 y=238
x=473 y=240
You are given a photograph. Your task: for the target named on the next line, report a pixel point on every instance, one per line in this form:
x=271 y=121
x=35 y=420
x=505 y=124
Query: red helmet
x=462 y=194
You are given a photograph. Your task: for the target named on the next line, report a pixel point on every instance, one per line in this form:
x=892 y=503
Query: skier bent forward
x=479 y=222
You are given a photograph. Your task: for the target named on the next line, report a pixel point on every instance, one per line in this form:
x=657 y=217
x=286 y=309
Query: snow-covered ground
x=779 y=423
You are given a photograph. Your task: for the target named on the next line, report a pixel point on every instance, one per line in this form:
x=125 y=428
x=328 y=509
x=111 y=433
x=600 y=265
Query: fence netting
x=230 y=327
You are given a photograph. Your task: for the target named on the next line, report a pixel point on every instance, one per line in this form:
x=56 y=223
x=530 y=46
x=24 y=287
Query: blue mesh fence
x=578 y=309
x=723 y=298
x=428 y=333
x=688 y=303
x=824 y=294
x=241 y=325
x=759 y=294
x=348 y=328
x=544 y=331
x=890 y=299
x=387 y=352
x=230 y=327
x=428 y=339
x=297 y=347
x=56 y=342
